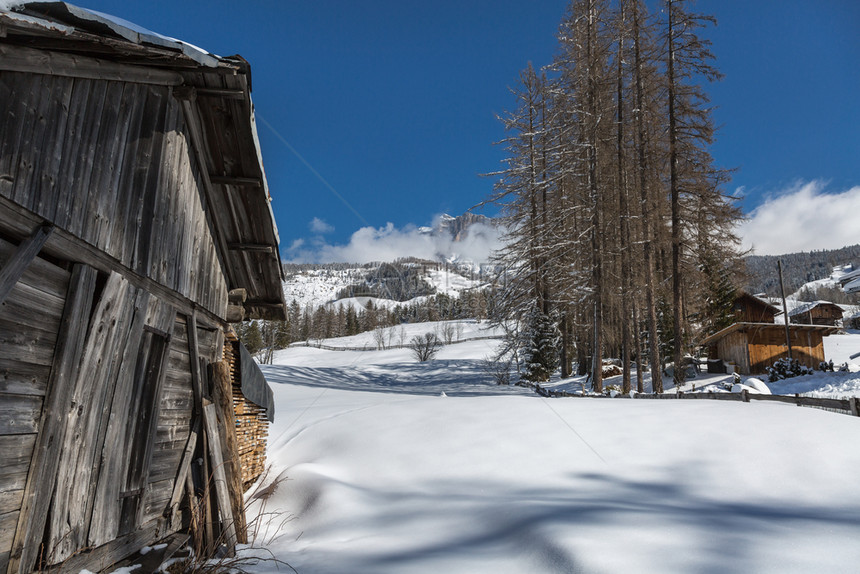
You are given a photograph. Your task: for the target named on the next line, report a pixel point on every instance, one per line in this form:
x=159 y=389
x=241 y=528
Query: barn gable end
x=132 y=203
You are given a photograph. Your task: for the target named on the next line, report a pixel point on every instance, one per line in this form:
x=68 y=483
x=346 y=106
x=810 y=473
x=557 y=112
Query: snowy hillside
x=387 y=465
x=321 y=285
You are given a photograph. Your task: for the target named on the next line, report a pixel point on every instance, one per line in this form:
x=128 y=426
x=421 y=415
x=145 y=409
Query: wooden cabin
x=753 y=347
x=751 y=309
x=135 y=224
x=817 y=313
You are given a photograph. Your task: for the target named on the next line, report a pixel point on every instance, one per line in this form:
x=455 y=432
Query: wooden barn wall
x=768 y=346
x=733 y=348
x=110 y=163
x=29 y=323
x=175 y=416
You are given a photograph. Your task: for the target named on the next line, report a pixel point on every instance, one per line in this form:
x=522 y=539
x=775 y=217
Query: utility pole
x=784 y=307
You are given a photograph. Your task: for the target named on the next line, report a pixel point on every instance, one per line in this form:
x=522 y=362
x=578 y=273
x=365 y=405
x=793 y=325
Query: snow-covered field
x=393 y=466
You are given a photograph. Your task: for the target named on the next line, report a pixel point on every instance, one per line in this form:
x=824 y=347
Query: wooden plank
x=82 y=447
x=21 y=259
x=7 y=530
x=23 y=378
x=25 y=343
x=10 y=500
x=27 y=306
x=223 y=397
x=194 y=360
x=40 y=274
x=78 y=187
x=46 y=454
x=15 y=454
x=222 y=488
x=103 y=196
x=184 y=466
x=20 y=59
x=19 y=414
x=103 y=557
x=123 y=413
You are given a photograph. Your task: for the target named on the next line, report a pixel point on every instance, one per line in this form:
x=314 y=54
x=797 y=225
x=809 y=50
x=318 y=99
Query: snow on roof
x=852 y=286
x=807 y=307
x=86 y=19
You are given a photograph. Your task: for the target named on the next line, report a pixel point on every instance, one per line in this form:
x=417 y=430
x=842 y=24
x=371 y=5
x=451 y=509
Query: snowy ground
x=395 y=466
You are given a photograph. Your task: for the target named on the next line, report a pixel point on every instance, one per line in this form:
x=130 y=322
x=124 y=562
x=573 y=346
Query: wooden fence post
x=855 y=407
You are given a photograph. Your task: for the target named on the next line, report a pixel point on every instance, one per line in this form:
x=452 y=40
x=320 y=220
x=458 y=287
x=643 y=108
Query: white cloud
x=803 y=218
x=389 y=243
x=317 y=225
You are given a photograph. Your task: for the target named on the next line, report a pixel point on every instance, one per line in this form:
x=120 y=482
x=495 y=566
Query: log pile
x=252 y=426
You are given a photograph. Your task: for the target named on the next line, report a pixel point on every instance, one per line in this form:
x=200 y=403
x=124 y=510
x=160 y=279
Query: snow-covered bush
x=786 y=369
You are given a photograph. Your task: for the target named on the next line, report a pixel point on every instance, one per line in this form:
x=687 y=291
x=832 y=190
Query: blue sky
x=384 y=111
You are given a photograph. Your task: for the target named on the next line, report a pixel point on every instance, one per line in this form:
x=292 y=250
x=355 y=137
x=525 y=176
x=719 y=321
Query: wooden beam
x=264 y=304
x=64 y=245
x=20 y=59
x=258 y=247
x=184 y=468
x=194 y=359
x=46 y=456
x=235 y=313
x=222 y=487
x=99 y=559
x=198 y=145
x=240 y=295
x=27 y=251
x=222 y=92
x=222 y=394
x=238 y=181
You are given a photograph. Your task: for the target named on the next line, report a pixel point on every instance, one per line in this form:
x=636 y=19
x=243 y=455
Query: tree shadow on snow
x=550 y=528
x=461 y=377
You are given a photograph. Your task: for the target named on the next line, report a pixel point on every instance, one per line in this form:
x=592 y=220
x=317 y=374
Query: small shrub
x=786 y=369
x=425 y=347
x=826 y=366
x=498 y=369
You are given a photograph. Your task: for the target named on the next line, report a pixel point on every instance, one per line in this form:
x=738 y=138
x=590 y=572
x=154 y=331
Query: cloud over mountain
x=803 y=217
x=446 y=240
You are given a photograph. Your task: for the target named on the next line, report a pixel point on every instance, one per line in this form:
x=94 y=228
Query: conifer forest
x=623 y=241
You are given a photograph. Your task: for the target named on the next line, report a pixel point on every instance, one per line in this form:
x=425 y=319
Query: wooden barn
x=753 y=347
x=817 y=313
x=135 y=225
x=751 y=309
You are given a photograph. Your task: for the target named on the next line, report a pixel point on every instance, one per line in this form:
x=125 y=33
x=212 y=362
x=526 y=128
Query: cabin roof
x=64 y=39
x=825 y=330
x=807 y=307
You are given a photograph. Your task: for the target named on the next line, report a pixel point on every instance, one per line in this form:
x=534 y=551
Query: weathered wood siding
x=110 y=163
x=29 y=322
x=733 y=349
x=766 y=347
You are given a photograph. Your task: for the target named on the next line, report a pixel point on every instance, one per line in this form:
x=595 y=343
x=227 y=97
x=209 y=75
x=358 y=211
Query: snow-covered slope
x=388 y=465
x=319 y=286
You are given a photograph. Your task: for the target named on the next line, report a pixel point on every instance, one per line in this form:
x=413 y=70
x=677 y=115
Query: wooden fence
x=845 y=406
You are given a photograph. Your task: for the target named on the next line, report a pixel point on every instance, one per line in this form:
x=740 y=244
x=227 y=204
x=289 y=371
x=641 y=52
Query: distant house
x=752 y=347
x=817 y=313
x=850 y=282
x=751 y=309
x=135 y=226
x=755 y=341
